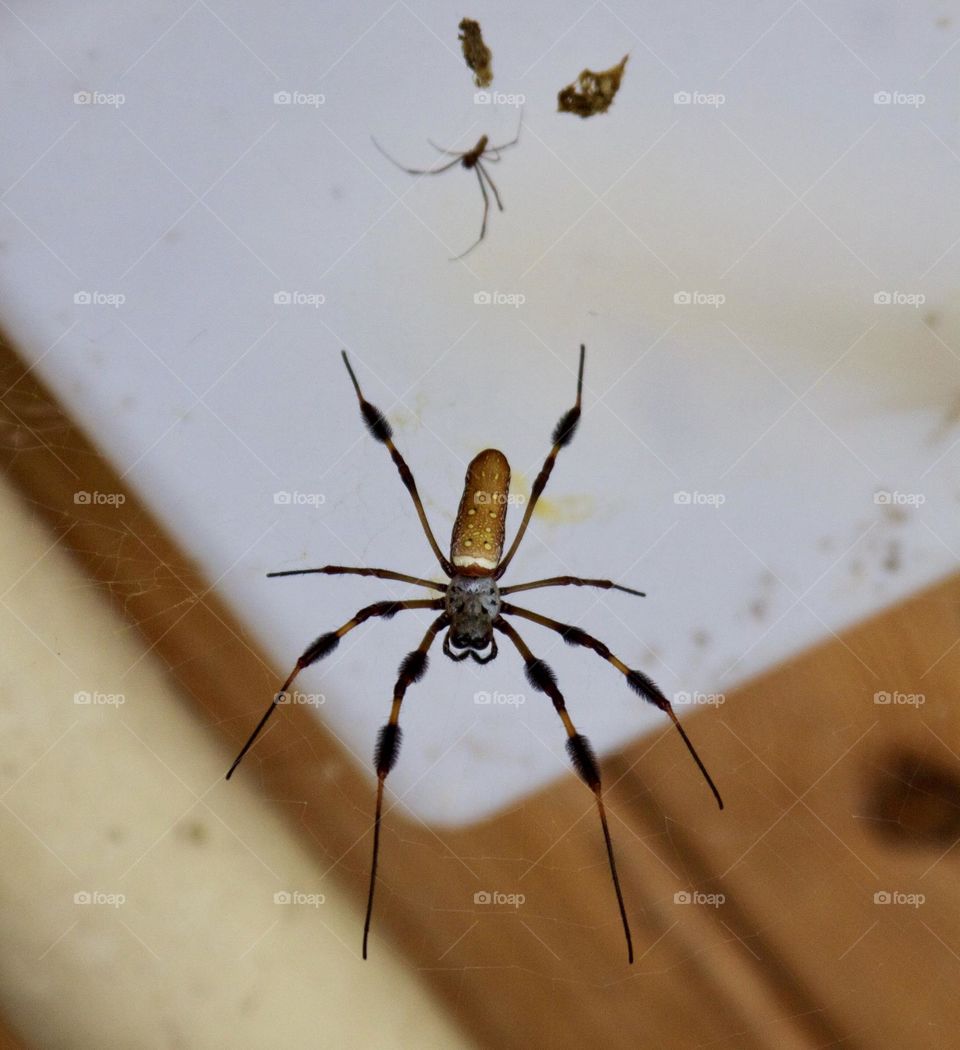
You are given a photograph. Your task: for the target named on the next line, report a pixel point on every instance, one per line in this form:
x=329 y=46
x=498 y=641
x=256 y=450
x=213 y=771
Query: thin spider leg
x=514 y=140
x=489 y=149
x=562 y=435
x=640 y=683
x=343 y=570
x=570 y=581
x=412 y=669
x=540 y=675
x=505 y=145
x=383 y=432
x=486 y=203
x=486 y=174
x=323 y=646
x=483 y=225
x=449 y=152
x=414 y=171
x=566 y=581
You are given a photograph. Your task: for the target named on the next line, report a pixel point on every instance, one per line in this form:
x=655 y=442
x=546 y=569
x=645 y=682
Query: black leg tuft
x=376 y=422
x=645 y=686
x=388 y=748
x=540 y=675
x=322 y=647
x=564 y=430
x=584 y=760
x=574 y=636
x=413 y=666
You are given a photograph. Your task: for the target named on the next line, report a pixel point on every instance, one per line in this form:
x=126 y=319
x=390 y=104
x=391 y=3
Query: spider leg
x=486 y=205
x=449 y=152
x=483 y=171
x=323 y=646
x=381 y=574
x=562 y=435
x=640 y=683
x=540 y=675
x=414 y=171
x=383 y=432
x=566 y=581
x=412 y=669
x=483 y=225
x=514 y=140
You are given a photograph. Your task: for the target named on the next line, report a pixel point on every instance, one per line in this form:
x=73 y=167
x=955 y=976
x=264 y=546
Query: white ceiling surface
x=797 y=199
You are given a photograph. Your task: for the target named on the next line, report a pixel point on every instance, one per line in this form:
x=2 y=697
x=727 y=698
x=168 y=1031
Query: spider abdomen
x=471 y=157
x=478 y=532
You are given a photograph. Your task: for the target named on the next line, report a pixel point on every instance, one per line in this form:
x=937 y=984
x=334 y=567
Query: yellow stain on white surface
x=552 y=510
x=565 y=510
x=409 y=420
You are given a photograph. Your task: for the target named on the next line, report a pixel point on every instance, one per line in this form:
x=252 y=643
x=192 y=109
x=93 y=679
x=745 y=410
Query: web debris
x=592 y=92
x=476 y=52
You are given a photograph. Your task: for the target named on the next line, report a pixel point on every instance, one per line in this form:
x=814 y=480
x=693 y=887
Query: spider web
x=207 y=397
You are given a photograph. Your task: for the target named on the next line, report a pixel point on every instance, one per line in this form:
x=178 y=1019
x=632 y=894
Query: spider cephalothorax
x=472 y=604
x=471 y=609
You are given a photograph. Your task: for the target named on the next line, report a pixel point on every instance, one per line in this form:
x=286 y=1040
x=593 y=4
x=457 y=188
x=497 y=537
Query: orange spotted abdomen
x=478 y=532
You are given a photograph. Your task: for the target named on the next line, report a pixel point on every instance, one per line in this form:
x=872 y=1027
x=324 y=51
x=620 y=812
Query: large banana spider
x=472 y=609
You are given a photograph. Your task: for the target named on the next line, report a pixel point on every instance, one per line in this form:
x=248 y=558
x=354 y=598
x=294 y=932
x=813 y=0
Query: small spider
x=471 y=158
x=471 y=610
